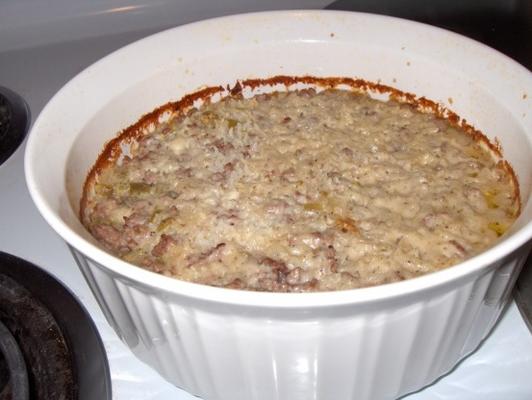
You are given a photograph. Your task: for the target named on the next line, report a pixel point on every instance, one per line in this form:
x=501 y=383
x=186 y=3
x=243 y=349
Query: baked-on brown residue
x=112 y=150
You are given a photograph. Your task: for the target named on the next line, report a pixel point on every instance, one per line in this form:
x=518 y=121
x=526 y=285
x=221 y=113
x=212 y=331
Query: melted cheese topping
x=301 y=192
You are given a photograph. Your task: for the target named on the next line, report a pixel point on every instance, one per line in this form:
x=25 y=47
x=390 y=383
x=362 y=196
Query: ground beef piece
x=111 y=237
x=164 y=244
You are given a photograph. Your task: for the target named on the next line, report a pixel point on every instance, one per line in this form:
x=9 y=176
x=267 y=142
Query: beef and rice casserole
x=300 y=191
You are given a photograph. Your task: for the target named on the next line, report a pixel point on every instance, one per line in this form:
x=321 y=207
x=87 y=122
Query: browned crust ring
x=112 y=149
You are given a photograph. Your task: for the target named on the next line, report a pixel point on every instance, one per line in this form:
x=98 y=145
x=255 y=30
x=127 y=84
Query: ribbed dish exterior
x=378 y=351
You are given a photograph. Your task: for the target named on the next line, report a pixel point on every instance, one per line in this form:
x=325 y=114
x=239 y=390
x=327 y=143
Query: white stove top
x=500 y=369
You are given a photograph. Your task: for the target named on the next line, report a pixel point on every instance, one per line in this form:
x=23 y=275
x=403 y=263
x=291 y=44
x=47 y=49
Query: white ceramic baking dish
x=373 y=343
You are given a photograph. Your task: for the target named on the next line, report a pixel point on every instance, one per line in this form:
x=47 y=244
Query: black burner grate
x=62 y=352
x=41 y=342
x=13 y=373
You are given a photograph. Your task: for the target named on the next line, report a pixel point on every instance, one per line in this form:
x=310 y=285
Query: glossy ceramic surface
x=374 y=343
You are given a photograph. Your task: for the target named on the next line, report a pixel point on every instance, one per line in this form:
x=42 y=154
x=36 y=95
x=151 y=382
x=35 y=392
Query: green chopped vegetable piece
x=209 y=118
x=497 y=227
x=103 y=190
x=165 y=223
x=139 y=188
x=153 y=216
x=120 y=188
x=313 y=207
x=490 y=197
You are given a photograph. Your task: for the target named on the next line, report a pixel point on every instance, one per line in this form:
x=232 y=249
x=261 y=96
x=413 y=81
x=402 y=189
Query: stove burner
x=14 y=122
x=40 y=340
x=13 y=374
x=62 y=352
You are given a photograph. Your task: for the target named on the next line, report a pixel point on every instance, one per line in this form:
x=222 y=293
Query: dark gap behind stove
x=505 y=25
